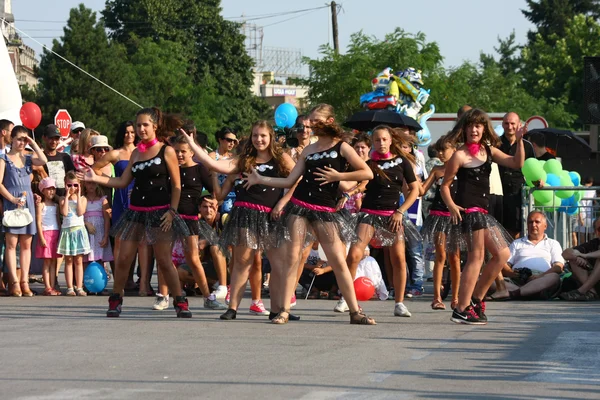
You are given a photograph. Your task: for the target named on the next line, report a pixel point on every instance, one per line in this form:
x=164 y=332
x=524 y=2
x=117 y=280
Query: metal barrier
x=569 y=230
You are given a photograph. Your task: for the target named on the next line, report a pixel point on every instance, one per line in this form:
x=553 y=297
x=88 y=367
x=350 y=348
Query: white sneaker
x=401 y=311
x=221 y=292
x=161 y=303
x=341 y=306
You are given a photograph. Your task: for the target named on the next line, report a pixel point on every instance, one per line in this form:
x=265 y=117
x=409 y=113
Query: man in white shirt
x=534 y=266
x=6 y=127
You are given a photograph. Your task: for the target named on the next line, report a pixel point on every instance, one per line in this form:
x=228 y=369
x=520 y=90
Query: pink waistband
x=148 y=209
x=253 y=206
x=439 y=213
x=383 y=213
x=190 y=217
x=476 y=210
x=313 y=207
x=93 y=214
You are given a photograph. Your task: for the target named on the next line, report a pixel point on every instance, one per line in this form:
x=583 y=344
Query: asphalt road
x=64 y=348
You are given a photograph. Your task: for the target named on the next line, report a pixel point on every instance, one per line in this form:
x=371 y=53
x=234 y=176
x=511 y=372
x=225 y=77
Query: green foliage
x=554 y=16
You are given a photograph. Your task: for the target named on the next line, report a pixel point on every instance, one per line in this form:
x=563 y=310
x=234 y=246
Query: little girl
x=74 y=242
x=97 y=223
x=48 y=234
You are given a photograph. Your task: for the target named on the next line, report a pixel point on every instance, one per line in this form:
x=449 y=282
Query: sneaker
x=415 y=292
x=80 y=292
x=293 y=301
x=161 y=303
x=401 y=311
x=479 y=307
x=115 y=302
x=214 y=304
x=221 y=292
x=341 y=306
x=229 y=314
x=180 y=303
x=70 y=292
x=258 y=308
x=468 y=316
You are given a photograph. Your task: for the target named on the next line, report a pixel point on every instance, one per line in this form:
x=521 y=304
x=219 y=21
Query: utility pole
x=334 y=25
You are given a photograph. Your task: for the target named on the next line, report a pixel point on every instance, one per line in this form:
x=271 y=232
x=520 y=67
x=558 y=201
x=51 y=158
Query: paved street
x=64 y=348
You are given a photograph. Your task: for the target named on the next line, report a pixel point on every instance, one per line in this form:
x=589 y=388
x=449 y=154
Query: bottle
x=23 y=199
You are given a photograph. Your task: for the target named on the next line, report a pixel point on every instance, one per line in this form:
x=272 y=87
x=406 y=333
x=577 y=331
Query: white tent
x=10 y=94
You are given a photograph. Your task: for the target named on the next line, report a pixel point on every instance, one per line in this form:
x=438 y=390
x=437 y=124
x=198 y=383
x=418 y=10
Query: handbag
x=17 y=218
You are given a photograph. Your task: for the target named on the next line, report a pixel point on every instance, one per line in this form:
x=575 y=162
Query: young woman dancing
x=312 y=211
x=474 y=229
x=380 y=217
x=152 y=216
x=437 y=225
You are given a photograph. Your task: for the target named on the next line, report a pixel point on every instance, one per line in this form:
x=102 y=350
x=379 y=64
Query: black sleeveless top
x=384 y=194
x=152 y=182
x=309 y=190
x=259 y=194
x=437 y=204
x=193 y=180
x=474 y=184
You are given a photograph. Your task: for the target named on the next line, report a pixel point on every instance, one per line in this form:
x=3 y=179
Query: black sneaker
x=468 y=317
x=229 y=314
x=181 y=307
x=479 y=307
x=115 y=301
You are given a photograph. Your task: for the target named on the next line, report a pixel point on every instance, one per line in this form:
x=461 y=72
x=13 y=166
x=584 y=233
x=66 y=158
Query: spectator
x=84 y=158
x=584 y=261
x=303 y=134
x=534 y=266
x=538 y=142
x=98 y=148
x=212 y=257
x=6 y=127
x=585 y=217
x=58 y=163
x=15 y=168
x=324 y=285
x=77 y=128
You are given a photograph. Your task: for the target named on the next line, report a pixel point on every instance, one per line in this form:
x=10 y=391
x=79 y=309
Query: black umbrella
x=367 y=120
x=564 y=143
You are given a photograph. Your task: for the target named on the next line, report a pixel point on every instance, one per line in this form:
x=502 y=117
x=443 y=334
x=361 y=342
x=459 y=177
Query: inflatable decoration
x=401 y=92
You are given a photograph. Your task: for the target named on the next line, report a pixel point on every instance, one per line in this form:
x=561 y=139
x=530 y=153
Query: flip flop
x=438 y=305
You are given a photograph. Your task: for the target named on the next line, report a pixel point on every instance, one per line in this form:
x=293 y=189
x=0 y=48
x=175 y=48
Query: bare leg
x=46 y=273
x=220 y=263
x=192 y=259
x=398 y=261
x=438 y=265
x=78 y=270
x=287 y=266
x=10 y=257
x=127 y=253
x=387 y=264
x=243 y=258
x=69 y=271
x=357 y=250
x=454 y=259
x=162 y=254
x=470 y=273
x=493 y=267
x=162 y=286
x=593 y=278
x=256 y=276
x=25 y=260
x=144 y=256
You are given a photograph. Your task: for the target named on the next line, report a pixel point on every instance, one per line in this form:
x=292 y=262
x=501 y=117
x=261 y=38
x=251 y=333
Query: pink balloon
x=31 y=115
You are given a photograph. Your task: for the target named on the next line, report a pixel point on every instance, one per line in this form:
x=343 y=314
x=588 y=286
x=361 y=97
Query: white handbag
x=17 y=218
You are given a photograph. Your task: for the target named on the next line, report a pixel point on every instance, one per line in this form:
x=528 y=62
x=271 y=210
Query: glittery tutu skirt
x=307 y=225
x=435 y=229
x=199 y=227
x=461 y=234
x=251 y=228
x=383 y=237
x=144 y=226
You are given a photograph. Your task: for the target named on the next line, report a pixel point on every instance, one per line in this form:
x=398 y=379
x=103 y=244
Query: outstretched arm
x=221 y=166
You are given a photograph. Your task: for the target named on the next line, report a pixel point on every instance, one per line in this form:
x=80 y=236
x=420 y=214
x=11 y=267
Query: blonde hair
x=84 y=141
x=323 y=110
x=97 y=191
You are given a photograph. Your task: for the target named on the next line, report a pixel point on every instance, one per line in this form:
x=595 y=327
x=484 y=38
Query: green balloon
x=533 y=170
x=550 y=205
x=565 y=180
x=578 y=195
x=543 y=196
x=553 y=166
x=528 y=183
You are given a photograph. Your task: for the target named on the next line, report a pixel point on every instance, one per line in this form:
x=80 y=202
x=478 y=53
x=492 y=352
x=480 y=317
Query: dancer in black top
x=476 y=231
x=380 y=217
x=152 y=216
x=312 y=209
x=437 y=226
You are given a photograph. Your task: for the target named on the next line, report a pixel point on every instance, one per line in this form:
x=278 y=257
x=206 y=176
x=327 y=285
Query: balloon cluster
x=551 y=174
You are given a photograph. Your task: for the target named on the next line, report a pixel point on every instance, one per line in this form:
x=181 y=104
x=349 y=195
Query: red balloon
x=31 y=115
x=364 y=288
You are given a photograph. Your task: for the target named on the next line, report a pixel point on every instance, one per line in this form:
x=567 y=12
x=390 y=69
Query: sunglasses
x=72 y=184
x=230 y=140
x=77 y=130
x=105 y=149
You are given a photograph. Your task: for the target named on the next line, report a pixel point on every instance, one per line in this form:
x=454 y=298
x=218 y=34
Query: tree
x=509 y=60
x=214 y=47
x=553 y=16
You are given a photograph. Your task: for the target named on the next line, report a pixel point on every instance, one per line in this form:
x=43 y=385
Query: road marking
x=89 y=394
x=378 y=377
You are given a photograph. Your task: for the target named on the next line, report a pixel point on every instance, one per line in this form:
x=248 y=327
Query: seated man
x=317 y=277
x=534 y=266
x=584 y=261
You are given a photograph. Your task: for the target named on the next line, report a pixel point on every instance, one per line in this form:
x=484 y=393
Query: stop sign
x=62 y=120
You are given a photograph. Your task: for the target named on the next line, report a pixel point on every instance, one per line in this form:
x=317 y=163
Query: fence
x=569 y=230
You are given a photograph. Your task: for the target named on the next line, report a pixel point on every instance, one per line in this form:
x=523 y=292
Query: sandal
x=573 y=295
x=358 y=318
x=590 y=296
x=292 y=317
x=437 y=305
x=25 y=291
x=15 y=292
x=453 y=304
x=281 y=319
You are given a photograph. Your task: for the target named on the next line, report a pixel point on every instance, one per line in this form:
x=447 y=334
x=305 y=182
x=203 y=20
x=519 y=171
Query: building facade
x=21 y=56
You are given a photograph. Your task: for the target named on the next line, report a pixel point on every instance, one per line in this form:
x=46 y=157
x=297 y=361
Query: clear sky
x=462 y=28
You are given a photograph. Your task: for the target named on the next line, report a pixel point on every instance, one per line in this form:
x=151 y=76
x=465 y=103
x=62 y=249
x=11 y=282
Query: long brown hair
x=324 y=110
x=473 y=117
x=395 y=148
x=332 y=130
x=247 y=155
x=166 y=124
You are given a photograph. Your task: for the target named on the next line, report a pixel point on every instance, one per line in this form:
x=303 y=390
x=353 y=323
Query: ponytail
x=166 y=124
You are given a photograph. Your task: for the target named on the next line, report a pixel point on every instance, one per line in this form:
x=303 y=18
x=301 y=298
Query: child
x=48 y=234
x=74 y=242
x=97 y=223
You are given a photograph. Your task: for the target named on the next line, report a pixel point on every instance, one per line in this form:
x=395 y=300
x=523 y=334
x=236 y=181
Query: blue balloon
x=575 y=178
x=552 y=180
x=95 y=278
x=499 y=130
x=285 y=115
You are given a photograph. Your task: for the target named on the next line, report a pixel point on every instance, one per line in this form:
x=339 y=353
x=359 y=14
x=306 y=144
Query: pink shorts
x=52 y=238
